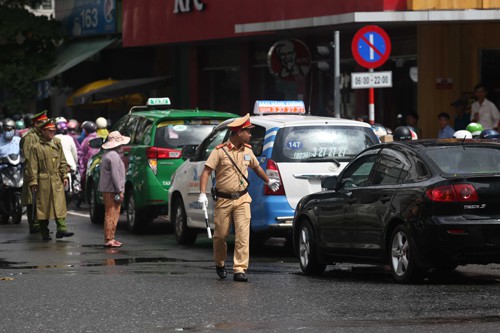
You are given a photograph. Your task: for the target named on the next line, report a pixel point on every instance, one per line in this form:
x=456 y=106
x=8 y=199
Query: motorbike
x=11 y=183
x=74 y=189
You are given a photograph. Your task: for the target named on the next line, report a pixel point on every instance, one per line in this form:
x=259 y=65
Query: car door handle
x=385 y=199
x=351 y=200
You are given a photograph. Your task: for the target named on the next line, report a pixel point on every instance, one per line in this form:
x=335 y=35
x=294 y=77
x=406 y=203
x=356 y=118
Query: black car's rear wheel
x=403 y=266
x=183 y=234
x=137 y=219
x=309 y=263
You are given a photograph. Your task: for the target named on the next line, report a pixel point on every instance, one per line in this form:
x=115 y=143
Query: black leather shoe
x=221 y=271
x=240 y=277
x=46 y=237
x=61 y=234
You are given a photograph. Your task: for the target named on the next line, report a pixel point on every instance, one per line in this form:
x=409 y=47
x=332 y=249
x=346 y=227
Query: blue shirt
x=446 y=133
x=11 y=147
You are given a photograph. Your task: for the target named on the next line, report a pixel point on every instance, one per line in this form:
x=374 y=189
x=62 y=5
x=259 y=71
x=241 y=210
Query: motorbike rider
x=68 y=144
x=71 y=154
x=87 y=152
x=102 y=127
x=9 y=141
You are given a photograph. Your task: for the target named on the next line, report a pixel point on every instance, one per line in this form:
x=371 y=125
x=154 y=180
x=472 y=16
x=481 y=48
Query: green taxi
x=157 y=134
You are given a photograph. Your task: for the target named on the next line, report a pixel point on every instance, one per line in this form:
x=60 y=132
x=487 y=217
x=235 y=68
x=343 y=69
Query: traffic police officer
x=31 y=138
x=233 y=203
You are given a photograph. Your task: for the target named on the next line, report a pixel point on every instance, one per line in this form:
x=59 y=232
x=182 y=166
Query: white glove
x=273 y=184
x=202 y=198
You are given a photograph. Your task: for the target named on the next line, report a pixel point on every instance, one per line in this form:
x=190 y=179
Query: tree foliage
x=27 y=52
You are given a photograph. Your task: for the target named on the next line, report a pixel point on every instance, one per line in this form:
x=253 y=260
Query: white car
x=298 y=149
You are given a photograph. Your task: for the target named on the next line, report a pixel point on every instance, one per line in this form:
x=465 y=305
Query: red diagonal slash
x=371 y=45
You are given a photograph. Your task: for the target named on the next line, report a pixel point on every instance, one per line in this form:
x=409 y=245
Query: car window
x=257 y=140
x=465 y=159
x=391 y=168
x=180 y=133
x=121 y=124
x=388 y=170
x=127 y=127
x=321 y=143
x=215 y=139
x=143 y=127
x=358 y=173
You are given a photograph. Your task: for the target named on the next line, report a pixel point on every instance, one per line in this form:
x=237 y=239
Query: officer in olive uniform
x=47 y=174
x=27 y=141
x=233 y=202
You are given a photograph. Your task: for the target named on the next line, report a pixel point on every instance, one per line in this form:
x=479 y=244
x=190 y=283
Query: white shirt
x=488 y=114
x=69 y=150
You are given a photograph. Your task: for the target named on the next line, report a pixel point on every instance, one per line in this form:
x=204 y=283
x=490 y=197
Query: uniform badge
x=247 y=157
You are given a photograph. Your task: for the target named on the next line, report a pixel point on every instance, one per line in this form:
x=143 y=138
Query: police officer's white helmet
x=101 y=122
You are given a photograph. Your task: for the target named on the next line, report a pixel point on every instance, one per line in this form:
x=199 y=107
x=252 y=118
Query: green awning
x=74 y=53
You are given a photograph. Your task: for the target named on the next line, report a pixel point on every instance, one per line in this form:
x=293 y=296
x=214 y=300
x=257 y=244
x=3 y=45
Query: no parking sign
x=371 y=46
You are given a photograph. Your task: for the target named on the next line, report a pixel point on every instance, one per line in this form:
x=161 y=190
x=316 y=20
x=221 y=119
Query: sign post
x=371 y=48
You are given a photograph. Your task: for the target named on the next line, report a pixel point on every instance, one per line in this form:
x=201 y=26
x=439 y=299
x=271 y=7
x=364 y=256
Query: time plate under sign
x=371 y=80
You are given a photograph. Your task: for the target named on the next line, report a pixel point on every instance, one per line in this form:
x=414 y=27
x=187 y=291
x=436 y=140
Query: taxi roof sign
x=274 y=107
x=158 y=101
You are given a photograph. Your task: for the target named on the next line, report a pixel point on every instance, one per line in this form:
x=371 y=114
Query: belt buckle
x=235 y=196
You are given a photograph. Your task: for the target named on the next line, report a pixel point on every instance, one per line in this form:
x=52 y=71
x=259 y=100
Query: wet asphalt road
x=153 y=285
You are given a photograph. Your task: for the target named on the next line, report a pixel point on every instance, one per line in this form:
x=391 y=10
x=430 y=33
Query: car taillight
x=272 y=171
x=453 y=193
x=154 y=154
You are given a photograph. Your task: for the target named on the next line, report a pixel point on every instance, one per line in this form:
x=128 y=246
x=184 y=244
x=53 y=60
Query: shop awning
x=74 y=53
x=121 y=88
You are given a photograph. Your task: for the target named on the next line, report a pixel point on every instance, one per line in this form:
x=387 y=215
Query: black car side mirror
x=96 y=143
x=189 y=152
x=329 y=183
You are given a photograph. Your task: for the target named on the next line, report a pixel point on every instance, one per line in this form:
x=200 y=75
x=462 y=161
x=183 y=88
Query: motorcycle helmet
x=28 y=117
x=61 y=120
x=462 y=134
x=475 y=129
x=9 y=129
x=489 y=134
x=73 y=125
x=62 y=127
x=402 y=133
x=20 y=124
x=89 y=126
x=101 y=122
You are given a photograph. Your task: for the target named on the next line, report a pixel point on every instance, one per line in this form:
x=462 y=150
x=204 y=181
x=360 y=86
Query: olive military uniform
x=47 y=168
x=233 y=202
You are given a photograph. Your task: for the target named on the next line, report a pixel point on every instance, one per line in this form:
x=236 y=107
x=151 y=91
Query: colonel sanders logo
x=289 y=59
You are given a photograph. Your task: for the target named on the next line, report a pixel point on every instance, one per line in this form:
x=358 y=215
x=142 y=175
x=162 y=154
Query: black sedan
x=414 y=205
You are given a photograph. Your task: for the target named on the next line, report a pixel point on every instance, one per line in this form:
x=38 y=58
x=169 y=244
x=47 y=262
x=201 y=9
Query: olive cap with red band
x=49 y=124
x=240 y=123
x=42 y=116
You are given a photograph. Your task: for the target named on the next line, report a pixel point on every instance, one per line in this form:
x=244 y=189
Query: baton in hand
x=209 y=232
x=33 y=201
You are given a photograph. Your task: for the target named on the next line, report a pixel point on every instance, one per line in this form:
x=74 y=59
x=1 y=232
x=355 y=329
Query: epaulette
x=247 y=145
x=220 y=146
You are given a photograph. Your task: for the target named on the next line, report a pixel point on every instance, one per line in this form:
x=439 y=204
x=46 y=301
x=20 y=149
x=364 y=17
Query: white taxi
x=298 y=149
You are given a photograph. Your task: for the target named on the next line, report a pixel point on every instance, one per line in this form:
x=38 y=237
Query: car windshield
x=180 y=133
x=321 y=143
x=466 y=159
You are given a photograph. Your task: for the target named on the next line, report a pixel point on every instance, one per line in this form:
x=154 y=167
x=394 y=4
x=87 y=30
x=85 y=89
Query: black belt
x=233 y=196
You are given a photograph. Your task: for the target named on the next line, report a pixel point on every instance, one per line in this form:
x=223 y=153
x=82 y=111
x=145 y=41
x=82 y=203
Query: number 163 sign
x=371 y=80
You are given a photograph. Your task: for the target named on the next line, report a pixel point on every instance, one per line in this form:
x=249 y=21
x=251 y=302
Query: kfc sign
x=289 y=59
x=184 y=6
